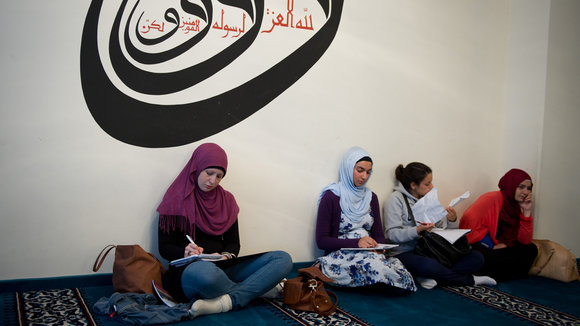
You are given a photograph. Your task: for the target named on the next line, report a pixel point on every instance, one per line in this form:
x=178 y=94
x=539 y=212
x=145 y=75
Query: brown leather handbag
x=554 y=261
x=133 y=268
x=307 y=293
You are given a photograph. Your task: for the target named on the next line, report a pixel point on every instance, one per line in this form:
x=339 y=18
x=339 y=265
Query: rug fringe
x=8 y=304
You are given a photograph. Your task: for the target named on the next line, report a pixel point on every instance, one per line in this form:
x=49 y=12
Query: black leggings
x=507 y=263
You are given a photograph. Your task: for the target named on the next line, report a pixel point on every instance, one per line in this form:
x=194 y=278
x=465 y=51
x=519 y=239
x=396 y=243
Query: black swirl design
x=138 y=122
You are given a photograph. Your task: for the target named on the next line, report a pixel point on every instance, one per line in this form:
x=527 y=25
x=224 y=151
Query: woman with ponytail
x=415 y=181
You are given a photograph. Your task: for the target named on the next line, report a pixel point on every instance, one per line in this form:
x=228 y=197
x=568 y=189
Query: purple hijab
x=214 y=212
x=509 y=216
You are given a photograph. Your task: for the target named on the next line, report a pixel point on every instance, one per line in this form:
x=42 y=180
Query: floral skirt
x=354 y=268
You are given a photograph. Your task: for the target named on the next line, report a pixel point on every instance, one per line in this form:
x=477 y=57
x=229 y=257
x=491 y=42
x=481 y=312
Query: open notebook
x=190 y=259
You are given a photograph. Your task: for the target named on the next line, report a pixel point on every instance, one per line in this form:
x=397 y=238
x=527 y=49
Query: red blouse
x=482 y=216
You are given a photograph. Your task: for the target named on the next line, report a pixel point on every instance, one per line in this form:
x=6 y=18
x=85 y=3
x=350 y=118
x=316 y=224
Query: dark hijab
x=509 y=216
x=214 y=211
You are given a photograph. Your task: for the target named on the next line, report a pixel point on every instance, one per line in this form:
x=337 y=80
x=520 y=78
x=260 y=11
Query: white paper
x=381 y=246
x=164 y=295
x=428 y=209
x=459 y=199
x=451 y=235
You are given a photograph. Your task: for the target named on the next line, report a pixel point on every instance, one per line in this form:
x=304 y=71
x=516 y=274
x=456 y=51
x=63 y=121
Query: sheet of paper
x=451 y=235
x=164 y=295
x=459 y=199
x=428 y=209
x=381 y=246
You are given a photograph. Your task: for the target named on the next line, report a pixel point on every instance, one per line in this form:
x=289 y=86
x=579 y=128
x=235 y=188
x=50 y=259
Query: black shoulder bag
x=435 y=246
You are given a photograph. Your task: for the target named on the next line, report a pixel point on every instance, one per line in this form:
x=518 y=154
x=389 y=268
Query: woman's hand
x=500 y=246
x=424 y=227
x=526 y=205
x=367 y=242
x=228 y=255
x=191 y=250
x=451 y=214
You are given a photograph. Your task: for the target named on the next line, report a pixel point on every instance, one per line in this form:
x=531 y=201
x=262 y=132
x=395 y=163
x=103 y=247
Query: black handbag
x=435 y=246
x=447 y=254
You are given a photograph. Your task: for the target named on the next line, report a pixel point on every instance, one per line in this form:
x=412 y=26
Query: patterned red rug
x=53 y=307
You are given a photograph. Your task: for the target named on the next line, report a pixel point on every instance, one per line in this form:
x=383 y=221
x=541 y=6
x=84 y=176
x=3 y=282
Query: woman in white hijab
x=349 y=217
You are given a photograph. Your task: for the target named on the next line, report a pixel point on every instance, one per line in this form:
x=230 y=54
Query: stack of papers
x=190 y=259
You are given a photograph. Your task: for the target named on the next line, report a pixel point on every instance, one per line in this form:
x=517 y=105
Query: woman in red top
x=501 y=224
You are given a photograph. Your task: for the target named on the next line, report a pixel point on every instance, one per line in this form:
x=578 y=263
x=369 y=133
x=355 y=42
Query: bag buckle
x=312 y=284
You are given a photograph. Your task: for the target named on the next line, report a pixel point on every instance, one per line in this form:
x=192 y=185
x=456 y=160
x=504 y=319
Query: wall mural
x=168 y=73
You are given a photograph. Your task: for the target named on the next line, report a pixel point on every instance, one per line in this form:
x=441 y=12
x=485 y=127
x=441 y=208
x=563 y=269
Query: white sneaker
x=276 y=292
x=427 y=283
x=483 y=280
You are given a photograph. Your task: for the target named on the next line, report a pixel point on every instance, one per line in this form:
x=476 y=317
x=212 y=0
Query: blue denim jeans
x=243 y=282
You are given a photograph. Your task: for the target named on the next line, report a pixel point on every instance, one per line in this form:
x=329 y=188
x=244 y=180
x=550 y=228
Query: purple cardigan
x=328 y=221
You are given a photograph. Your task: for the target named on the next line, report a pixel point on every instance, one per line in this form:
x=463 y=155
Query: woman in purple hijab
x=196 y=206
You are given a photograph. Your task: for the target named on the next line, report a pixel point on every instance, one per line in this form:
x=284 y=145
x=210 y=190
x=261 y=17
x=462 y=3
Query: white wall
x=525 y=89
x=559 y=193
x=409 y=81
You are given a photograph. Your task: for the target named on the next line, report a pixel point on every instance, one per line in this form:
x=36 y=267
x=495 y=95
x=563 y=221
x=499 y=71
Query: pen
x=114 y=311
x=190 y=239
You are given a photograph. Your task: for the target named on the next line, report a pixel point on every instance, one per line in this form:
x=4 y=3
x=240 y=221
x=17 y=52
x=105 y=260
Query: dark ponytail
x=413 y=172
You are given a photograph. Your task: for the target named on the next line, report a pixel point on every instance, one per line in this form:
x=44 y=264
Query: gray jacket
x=399 y=227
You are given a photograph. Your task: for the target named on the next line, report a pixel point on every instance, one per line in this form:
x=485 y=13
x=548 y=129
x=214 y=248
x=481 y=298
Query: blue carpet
x=442 y=305
x=504 y=304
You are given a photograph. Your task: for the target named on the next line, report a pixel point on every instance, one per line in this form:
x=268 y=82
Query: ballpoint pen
x=190 y=239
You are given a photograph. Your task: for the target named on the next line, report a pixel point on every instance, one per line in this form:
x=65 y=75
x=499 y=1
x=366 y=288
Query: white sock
x=483 y=280
x=275 y=292
x=211 y=306
x=427 y=283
